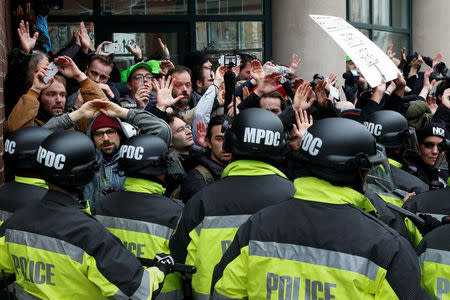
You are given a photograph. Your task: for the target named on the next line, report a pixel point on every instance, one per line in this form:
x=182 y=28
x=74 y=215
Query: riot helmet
x=391 y=130
x=67 y=158
x=21 y=147
x=340 y=151
x=146 y=155
x=256 y=134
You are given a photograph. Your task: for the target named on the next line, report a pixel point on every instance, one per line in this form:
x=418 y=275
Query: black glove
x=164 y=262
x=430 y=223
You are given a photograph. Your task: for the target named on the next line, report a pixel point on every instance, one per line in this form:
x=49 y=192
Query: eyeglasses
x=99 y=134
x=183 y=128
x=141 y=76
x=430 y=145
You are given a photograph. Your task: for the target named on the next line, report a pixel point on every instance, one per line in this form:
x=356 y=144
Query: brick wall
x=5 y=47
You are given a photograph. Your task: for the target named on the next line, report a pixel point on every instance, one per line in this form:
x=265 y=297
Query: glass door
x=146 y=36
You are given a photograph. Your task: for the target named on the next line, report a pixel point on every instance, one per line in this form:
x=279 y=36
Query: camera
x=315 y=80
x=440 y=72
x=351 y=75
x=230 y=60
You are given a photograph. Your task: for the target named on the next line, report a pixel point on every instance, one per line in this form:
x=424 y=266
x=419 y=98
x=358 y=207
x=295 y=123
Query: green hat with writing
x=347 y=58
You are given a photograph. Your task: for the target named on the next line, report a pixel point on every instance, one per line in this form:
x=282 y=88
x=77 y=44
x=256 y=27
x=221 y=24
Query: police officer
x=58 y=252
x=432 y=206
x=434 y=252
x=392 y=131
x=141 y=216
x=210 y=219
x=323 y=243
x=20 y=154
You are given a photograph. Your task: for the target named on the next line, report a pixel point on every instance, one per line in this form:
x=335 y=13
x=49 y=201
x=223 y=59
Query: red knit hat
x=105 y=121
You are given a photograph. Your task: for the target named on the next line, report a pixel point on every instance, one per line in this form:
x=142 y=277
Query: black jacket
x=194 y=181
x=424 y=172
x=17 y=195
x=435 y=203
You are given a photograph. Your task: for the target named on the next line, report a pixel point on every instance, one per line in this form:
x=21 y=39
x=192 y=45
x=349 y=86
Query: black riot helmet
x=390 y=129
x=144 y=155
x=339 y=150
x=21 y=147
x=256 y=134
x=67 y=158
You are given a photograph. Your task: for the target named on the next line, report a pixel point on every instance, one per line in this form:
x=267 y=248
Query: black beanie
x=434 y=129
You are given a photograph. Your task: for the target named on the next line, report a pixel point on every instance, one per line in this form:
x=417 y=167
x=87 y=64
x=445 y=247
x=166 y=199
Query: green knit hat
x=418 y=114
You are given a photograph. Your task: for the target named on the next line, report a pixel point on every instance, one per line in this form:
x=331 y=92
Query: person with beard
x=209 y=166
x=202 y=73
x=45 y=100
x=107 y=130
x=182 y=90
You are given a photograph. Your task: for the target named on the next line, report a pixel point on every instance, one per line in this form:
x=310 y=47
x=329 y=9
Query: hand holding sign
x=371 y=60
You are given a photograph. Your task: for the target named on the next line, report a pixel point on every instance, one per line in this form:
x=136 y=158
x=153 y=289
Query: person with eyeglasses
x=430 y=139
x=108 y=129
x=140 y=87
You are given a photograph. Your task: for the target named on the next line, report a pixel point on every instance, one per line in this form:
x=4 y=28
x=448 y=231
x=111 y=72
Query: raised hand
x=113 y=110
x=69 y=69
x=164 y=49
x=403 y=60
x=38 y=84
x=321 y=96
x=389 y=51
x=142 y=96
x=301 y=97
x=220 y=72
x=330 y=80
x=164 y=89
x=201 y=134
x=431 y=101
x=165 y=66
x=27 y=42
x=257 y=71
x=85 y=39
x=136 y=51
x=293 y=65
x=100 y=48
x=446 y=98
x=426 y=80
x=296 y=83
x=303 y=122
x=437 y=59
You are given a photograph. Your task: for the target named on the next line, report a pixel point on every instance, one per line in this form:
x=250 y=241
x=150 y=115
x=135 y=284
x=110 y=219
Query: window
x=219 y=38
x=383 y=21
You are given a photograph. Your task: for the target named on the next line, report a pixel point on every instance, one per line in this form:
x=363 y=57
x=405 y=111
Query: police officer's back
x=141 y=216
x=59 y=252
x=324 y=242
x=434 y=253
x=250 y=182
x=20 y=153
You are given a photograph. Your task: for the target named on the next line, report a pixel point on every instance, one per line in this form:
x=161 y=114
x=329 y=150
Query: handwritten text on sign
x=373 y=63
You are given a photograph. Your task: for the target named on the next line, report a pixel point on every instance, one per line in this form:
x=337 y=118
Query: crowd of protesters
x=185 y=113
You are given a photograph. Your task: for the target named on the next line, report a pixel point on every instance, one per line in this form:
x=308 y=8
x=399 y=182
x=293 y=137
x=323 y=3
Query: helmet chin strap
x=359 y=183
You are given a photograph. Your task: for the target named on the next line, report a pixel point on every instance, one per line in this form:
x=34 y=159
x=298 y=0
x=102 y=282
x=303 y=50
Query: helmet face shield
x=412 y=144
x=174 y=165
x=441 y=161
x=380 y=177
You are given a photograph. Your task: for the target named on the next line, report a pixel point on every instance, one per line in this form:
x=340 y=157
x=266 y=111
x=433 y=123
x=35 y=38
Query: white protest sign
x=373 y=63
